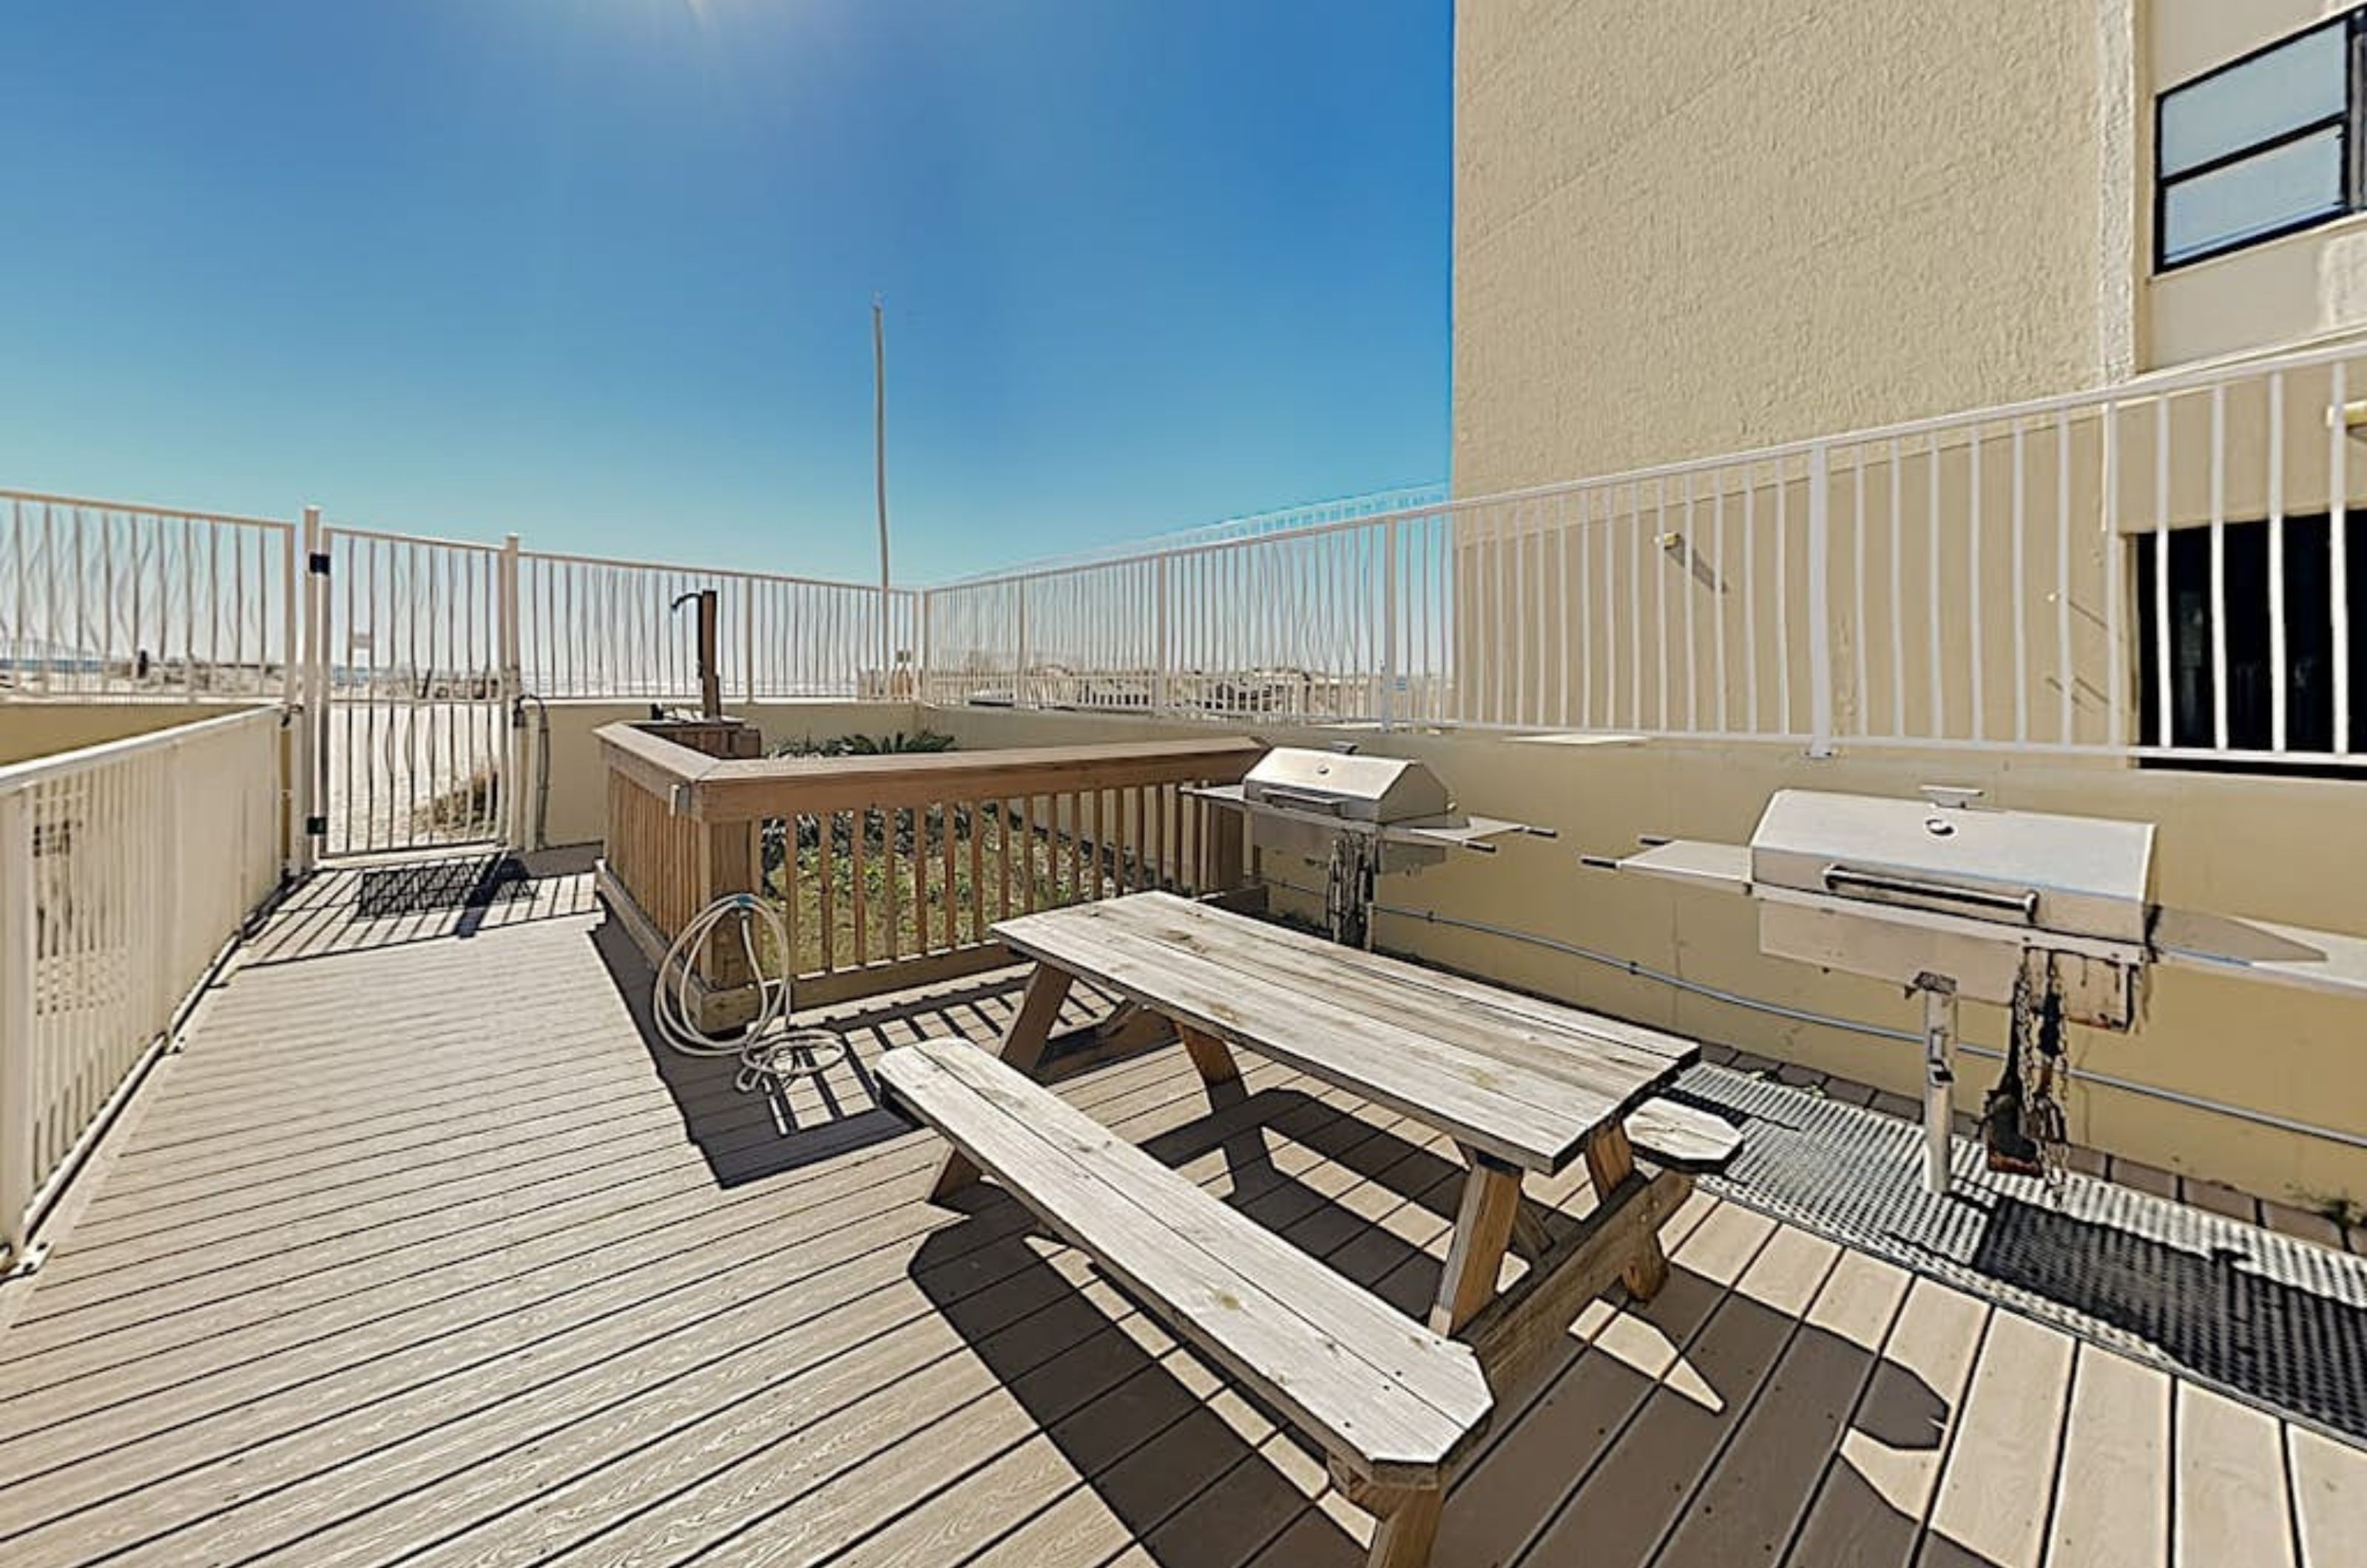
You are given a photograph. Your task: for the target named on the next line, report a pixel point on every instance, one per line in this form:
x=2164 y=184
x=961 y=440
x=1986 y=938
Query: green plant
x=918 y=742
x=878 y=829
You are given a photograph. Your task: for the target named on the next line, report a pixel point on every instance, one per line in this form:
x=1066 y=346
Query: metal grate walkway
x=2264 y=1316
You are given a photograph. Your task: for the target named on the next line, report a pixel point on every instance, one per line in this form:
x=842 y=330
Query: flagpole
x=880 y=476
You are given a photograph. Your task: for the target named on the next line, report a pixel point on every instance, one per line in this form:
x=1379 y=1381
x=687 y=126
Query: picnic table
x=1524 y=1087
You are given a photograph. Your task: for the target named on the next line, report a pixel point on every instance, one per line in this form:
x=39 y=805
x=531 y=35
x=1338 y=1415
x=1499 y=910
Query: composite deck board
x=420 y=1248
x=2329 y=1487
x=1638 y=1492
x=2111 y=1505
x=2235 y=1502
x=1748 y=1505
x=2005 y=1454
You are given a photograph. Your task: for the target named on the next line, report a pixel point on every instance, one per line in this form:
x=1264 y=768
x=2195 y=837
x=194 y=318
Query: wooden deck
x=420 y=1253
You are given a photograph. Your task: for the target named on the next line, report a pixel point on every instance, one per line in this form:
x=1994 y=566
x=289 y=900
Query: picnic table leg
x=1609 y=1160
x=1023 y=1048
x=1211 y=1056
x=1483 y=1232
x=1408 y=1528
x=1408 y=1520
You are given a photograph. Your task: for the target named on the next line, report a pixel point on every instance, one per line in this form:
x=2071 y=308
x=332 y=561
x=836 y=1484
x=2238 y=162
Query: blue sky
x=600 y=271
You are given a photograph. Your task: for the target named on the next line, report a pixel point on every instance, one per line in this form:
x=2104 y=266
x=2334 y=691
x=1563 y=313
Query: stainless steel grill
x=1361 y=818
x=2053 y=916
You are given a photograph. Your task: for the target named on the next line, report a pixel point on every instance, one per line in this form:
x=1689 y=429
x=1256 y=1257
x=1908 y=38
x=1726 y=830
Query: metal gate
x=414 y=655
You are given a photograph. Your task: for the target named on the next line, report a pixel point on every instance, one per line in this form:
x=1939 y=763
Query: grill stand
x=1938 y=994
x=2052 y=916
x=1349 y=890
x=1360 y=819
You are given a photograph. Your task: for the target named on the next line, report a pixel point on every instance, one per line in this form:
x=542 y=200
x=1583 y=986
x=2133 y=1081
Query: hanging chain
x=2044 y=1061
x=1348 y=893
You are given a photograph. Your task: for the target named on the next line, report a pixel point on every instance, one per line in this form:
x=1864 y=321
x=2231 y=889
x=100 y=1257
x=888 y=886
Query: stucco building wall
x=1687 y=227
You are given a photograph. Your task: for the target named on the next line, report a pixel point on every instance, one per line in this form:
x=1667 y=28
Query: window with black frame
x=2260 y=147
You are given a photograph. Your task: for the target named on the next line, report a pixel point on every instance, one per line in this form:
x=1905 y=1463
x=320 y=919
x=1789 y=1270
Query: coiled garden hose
x=768 y=1046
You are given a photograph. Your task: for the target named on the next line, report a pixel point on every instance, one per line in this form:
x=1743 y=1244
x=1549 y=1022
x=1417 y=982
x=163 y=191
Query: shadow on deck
x=422 y=1251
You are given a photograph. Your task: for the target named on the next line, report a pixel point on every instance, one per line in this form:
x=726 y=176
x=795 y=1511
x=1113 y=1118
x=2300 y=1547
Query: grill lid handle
x=1913 y=893
x=1323 y=804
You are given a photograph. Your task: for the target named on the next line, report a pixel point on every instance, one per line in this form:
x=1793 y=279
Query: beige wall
x=1688 y=228
x=2290 y=851
x=29 y=730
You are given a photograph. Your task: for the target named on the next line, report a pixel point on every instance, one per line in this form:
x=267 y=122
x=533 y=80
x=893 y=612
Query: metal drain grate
x=473 y=883
x=2263 y=1316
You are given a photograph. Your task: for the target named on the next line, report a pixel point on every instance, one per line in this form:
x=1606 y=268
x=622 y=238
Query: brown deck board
x=419 y=1249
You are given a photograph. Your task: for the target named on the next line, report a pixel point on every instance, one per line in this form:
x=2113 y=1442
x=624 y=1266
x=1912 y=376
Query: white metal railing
x=1250 y=526
x=2161 y=569
x=413 y=734
x=102 y=599
x=124 y=870
x=594 y=627
x=1345 y=620
x=2158 y=568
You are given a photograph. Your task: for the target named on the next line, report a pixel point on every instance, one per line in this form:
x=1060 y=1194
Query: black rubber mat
x=427 y=886
x=2266 y=1317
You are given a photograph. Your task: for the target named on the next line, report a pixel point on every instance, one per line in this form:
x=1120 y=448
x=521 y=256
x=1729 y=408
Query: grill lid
x=2073 y=875
x=1354 y=788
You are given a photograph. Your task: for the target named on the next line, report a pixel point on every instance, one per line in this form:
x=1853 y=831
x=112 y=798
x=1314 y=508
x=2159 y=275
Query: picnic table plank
x=1375 y=1387
x=1510 y=1110
x=1516 y=1106
x=1565 y=1043
x=1462 y=1009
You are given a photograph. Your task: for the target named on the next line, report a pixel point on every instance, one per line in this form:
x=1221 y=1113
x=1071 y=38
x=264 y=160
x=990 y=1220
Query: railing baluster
x=2116 y=726
x=1659 y=561
x=19 y=977
x=2019 y=600
x=824 y=875
x=1751 y=588
x=859 y=880
x=1586 y=617
x=1683 y=579
x=947 y=813
x=921 y=857
x=1862 y=697
x=2219 y=565
x=2338 y=464
x=1973 y=584
x=1897 y=600
x=2278 y=666
x=976 y=836
x=792 y=893
x=2166 y=733
x=1635 y=606
x=2063 y=571
x=1783 y=599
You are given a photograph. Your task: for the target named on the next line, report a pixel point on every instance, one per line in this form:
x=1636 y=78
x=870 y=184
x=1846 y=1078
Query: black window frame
x=2350 y=120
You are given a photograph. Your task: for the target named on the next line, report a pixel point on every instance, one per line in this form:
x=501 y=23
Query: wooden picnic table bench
x=1523 y=1086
